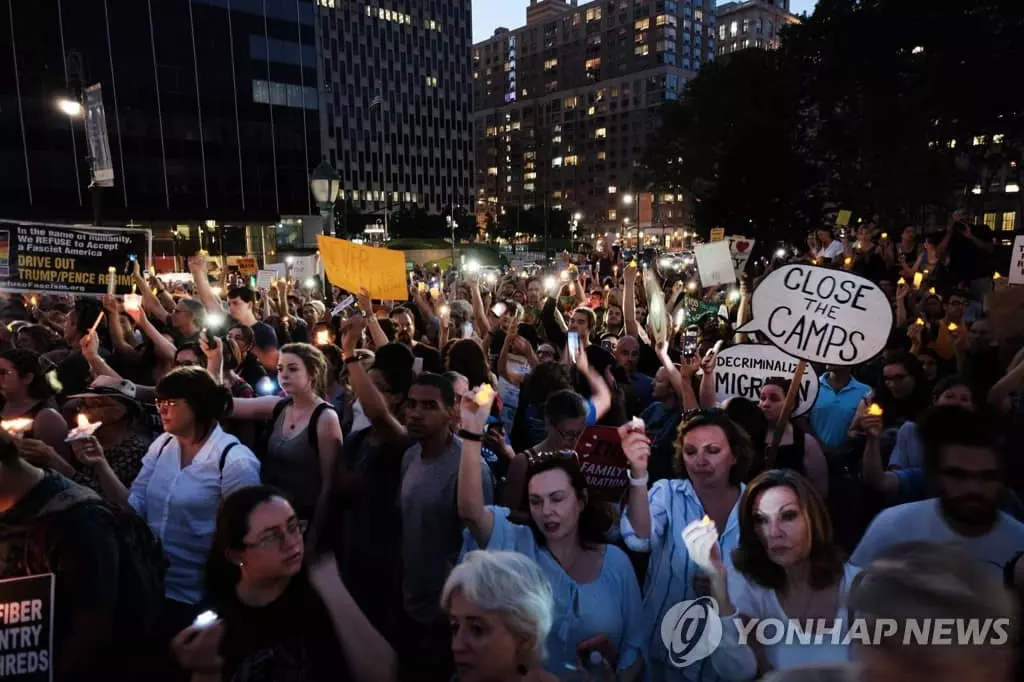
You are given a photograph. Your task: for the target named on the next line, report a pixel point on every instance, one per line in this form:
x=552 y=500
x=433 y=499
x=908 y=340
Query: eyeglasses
x=536 y=458
x=569 y=436
x=277 y=537
x=162 y=405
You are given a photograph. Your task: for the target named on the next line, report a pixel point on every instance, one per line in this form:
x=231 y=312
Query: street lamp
x=325 y=184
x=70 y=107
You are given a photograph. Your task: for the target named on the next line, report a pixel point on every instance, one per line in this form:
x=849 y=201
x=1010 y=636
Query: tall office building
x=566 y=104
x=752 y=24
x=397 y=114
x=211 y=111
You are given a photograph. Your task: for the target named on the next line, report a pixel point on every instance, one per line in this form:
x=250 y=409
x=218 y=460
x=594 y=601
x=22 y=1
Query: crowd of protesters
x=283 y=488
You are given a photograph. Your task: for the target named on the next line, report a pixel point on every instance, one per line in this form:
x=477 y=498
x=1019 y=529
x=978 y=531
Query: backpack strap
x=224 y=459
x=314 y=438
x=163 y=446
x=278 y=410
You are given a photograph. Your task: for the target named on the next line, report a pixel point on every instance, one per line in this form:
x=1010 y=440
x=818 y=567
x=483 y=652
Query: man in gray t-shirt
x=431 y=529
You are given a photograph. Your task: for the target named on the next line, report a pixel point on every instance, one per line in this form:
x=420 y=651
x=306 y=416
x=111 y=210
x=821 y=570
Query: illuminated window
x=594 y=14
x=1009 y=222
x=990 y=220
x=612 y=189
x=530 y=176
x=997 y=138
x=432 y=81
x=612 y=214
x=493 y=171
x=550 y=64
x=590 y=111
x=642 y=50
x=593 y=64
x=571 y=102
x=556 y=162
x=666 y=20
x=733 y=29
x=978 y=140
x=601 y=156
x=601 y=133
x=571 y=160
x=642 y=24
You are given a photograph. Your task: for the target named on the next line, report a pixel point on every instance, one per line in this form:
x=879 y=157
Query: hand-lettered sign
x=742 y=370
x=821 y=315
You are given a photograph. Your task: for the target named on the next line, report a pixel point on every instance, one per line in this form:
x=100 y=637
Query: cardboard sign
x=717 y=234
x=603 y=464
x=714 y=263
x=821 y=315
x=844 y=218
x=353 y=267
x=26 y=638
x=742 y=370
x=303 y=268
x=35 y=257
x=1017 y=261
x=265 y=279
x=740 y=249
x=246 y=265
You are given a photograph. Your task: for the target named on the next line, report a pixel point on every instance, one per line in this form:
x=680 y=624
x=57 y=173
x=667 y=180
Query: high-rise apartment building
x=752 y=24
x=211 y=112
x=397 y=108
x=565 y=105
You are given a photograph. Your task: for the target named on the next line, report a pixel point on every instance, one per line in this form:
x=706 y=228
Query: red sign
x=603 y=464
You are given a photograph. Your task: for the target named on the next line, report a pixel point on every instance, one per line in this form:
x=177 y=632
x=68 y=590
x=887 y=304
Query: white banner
x=742 y=370
x=714 y=263
x=822 y=315
x=1017 y=261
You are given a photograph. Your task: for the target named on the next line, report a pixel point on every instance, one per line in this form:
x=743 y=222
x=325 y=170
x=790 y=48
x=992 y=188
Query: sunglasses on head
x=537 y=458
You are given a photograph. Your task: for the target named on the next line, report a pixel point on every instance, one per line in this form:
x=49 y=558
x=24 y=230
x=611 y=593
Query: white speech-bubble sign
x=741 y=371
x=822 y=315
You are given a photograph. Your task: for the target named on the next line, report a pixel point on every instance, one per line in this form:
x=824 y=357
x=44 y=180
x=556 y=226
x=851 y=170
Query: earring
x=241 y=564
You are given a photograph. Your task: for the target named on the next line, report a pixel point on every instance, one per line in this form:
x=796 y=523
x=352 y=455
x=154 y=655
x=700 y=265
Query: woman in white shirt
x=786 y=569
x=185 y=474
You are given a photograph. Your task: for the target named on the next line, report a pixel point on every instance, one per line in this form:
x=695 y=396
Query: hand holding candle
x=111 y=280
x=874 y=410
x=918 y=278
x=701 y=540
x=17 y=428
x=83 y=429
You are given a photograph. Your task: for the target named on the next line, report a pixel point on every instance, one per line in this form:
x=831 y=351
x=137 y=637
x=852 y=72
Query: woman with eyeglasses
x=597 y=600
x=712 y=457
x=269 y=618
x=786 y=568
x=185 y=475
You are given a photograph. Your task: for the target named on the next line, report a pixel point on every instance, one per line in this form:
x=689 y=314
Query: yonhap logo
x=691 y=631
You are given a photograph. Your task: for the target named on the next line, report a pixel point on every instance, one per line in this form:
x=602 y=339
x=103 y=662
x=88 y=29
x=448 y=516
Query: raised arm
x=680 y=378
x=600 y=395
x=198 y=266
x=629 y=301
x=885 y=482
x=374 y=405
x=372 y=323
x=164 y=348
x=708 y=392
x=1013 y=380
x=472 y=510
x=149 y=301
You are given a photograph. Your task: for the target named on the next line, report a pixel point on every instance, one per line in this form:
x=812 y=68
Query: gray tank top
x=293 y=465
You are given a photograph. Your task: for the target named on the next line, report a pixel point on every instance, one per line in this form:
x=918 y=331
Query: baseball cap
x=264 y=336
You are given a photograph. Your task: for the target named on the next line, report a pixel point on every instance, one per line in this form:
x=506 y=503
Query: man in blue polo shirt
x=839 y=395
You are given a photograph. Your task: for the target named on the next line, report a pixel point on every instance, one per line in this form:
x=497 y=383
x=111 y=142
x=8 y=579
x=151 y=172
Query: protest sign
x=353 y=267
x=265 y=279
x=843 y=220
x=740 y=249
x=35 y=257
x=714 y=263
x=717 y=234
x=246 y=264
x=26 y=635
x=821 y=315
x=1017 y=261
x=1005 y=308
x=303 y=268
x=603 y=463
x=742 y=370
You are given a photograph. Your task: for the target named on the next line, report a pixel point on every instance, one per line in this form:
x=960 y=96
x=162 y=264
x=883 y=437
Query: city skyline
x=490 y=14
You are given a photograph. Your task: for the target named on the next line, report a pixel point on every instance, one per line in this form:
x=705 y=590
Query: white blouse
x=180 y=504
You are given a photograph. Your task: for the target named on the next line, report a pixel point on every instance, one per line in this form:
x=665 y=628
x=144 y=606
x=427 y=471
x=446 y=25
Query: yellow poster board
x=717 y=234
x=844 y=218
x=353 y=267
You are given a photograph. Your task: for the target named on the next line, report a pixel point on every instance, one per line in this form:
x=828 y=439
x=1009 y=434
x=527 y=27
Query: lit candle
x=445 y=311
x=885 y=235
x=952 y=327
x=132 y=302
x=706 y=521
x=918 y=278
x=919 y=322
x=323 y=337
x=484 y=395
x=17 y=427
x=435 y=292
x=421 y=287
x=901 y=281
x=111 y=280
x=34 y=302
x=994 y=277
x=875 y=410
x=848 y=262
x=83 y=429
x=638 y=424
x=931 y=291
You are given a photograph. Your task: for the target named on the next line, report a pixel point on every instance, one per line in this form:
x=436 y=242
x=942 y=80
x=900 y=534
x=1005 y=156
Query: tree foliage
x=857 y=109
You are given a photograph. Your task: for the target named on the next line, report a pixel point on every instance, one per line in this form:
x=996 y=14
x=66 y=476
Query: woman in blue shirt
x=712 y=456
x=597 y=599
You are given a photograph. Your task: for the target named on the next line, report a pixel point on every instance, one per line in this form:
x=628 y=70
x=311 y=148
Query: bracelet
x=469 y=435
x=349 y=361
x=638 y=482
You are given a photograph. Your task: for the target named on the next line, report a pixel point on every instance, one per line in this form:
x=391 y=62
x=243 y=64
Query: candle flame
x=952 y=327
x=918 y=278
x=901 y=281
x=16 y=426
x=996 y=276
x=83 y=421
x=706 y=521
x=484 y=395
x=919 y=322
x=875 y=410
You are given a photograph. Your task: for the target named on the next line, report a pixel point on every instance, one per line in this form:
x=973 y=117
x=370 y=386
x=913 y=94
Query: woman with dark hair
x=274 y=619
x=466 y=357
x=902 y=395
x=712 y=457
x=798 y=451
x=528 y=426
x=26 y=385
x=597 y=600
x=786 y=568
x=185 y=474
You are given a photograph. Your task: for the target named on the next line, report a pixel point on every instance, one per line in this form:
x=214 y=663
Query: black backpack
x=141 y=564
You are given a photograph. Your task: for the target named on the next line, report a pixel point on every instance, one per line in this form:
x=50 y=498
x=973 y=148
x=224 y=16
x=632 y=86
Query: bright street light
x=578 y=216
x=69 y=107
x=627 y=199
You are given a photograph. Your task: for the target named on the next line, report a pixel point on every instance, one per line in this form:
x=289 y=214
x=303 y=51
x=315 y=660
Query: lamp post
x=72 y=108
x=629 y=200
x=325 y=184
